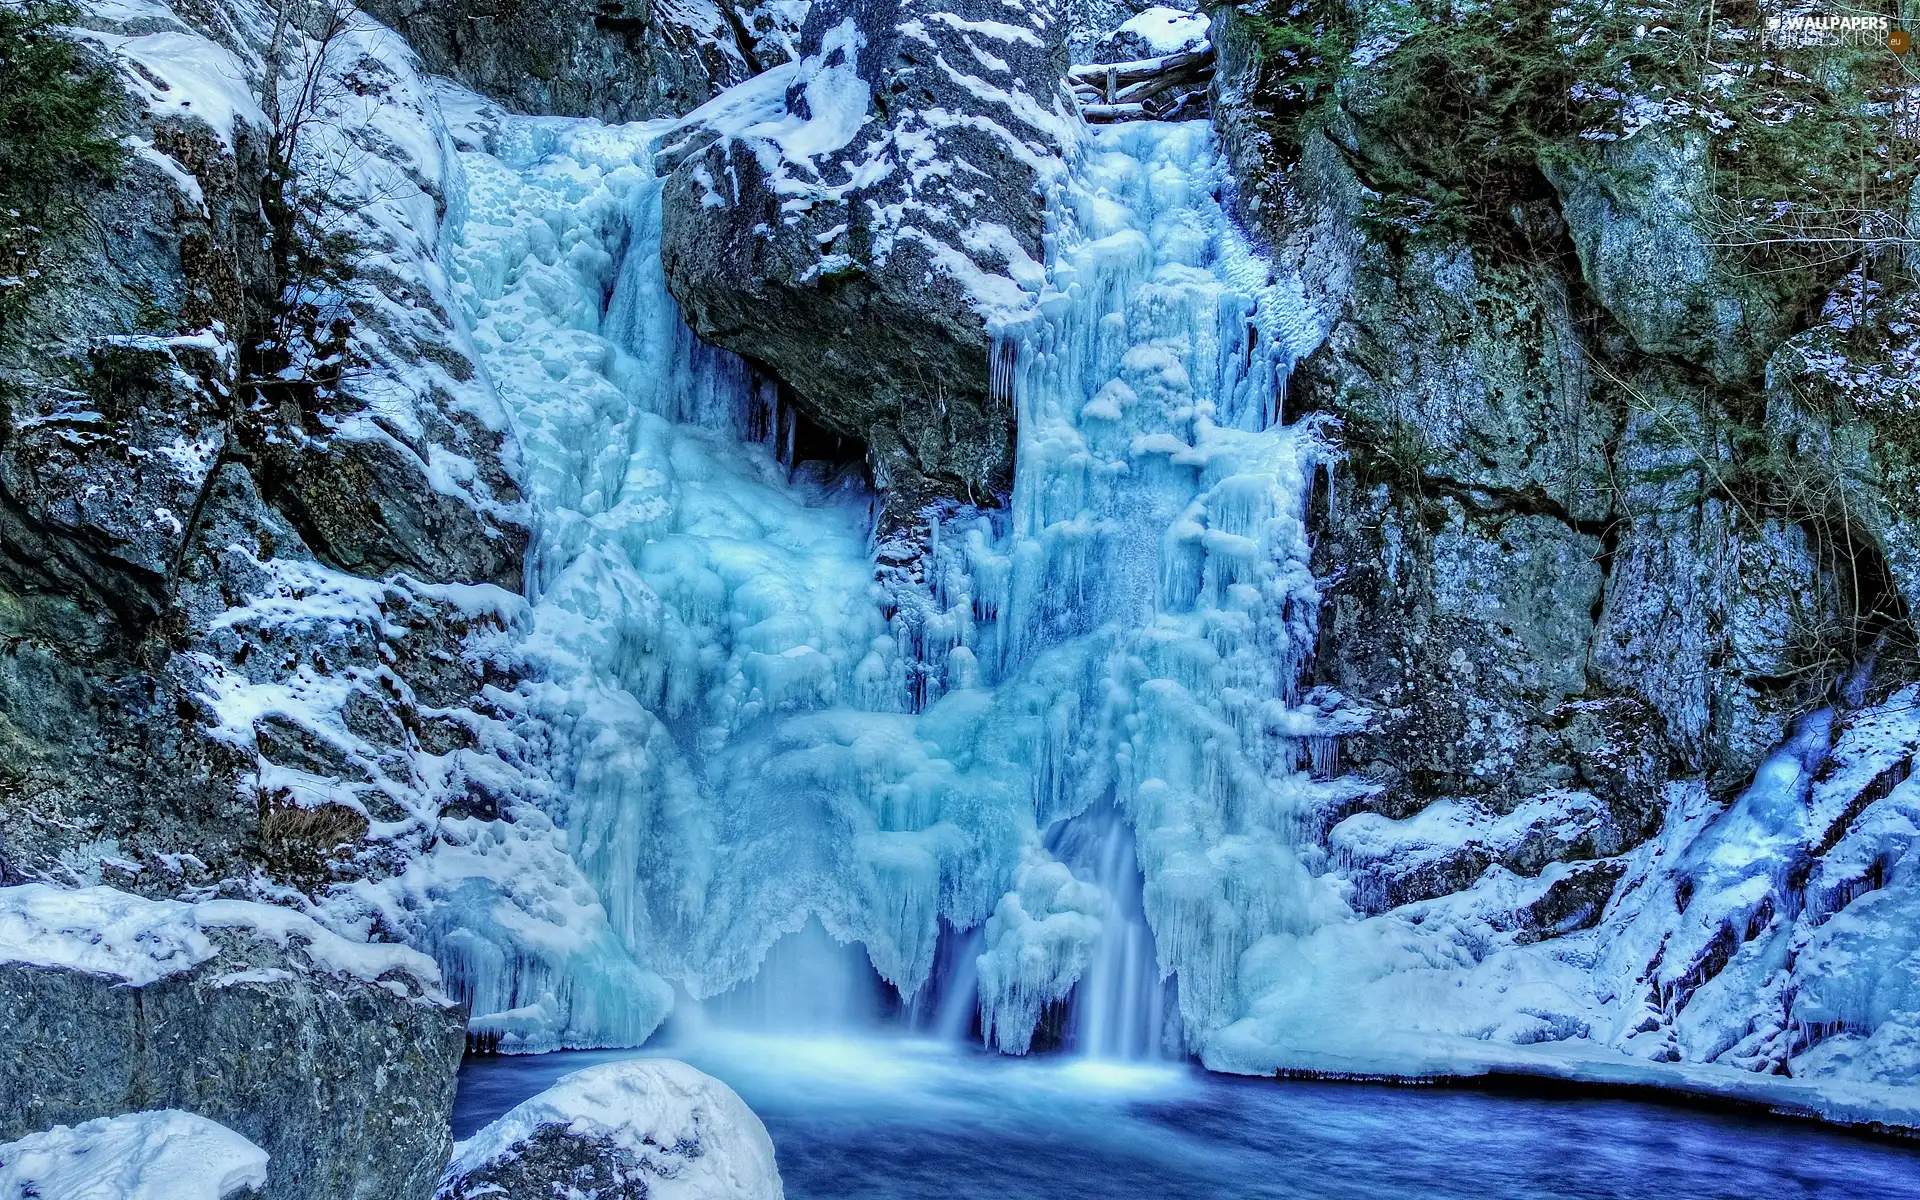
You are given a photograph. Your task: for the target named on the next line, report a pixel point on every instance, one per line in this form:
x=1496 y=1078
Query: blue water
x=874 y=1119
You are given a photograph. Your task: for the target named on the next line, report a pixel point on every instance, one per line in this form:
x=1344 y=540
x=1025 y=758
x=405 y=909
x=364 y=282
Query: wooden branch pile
x=1131 y=91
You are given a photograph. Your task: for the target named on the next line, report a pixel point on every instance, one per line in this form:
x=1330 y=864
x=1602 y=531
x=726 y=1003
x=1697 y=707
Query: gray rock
x=1640 y=212
x=1560 y=555
x=1464 y=546
x=617 y=60
x=863 y=261
x=142 y=501
x=336 y=1058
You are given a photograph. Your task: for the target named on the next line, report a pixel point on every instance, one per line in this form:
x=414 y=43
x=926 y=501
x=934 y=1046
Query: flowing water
x=875 y=1119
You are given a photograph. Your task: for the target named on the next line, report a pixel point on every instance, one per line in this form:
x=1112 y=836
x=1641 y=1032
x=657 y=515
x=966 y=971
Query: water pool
x=881 y=1119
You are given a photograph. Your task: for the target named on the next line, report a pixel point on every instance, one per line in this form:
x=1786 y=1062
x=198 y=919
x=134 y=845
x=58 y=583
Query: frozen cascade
x=1155 y=590
x=745 y=746
x=722 y=706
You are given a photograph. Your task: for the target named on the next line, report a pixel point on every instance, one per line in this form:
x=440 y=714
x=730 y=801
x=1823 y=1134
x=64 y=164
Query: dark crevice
x=1531 y=501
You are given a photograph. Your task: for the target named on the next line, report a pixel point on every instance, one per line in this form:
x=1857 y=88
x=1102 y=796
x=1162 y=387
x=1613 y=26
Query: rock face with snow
x=164 y=1155
x=335 y=1057
x=588 y=58
x=1605 y=820
x=1151 y=33
x=171 y=511
x=644 y=1128
x=860 y=223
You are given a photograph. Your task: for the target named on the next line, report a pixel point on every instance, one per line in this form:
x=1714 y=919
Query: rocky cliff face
x=169 y=501
x=614 y=61
x=1590 y=544
x=1540 y=507
x=259 y=509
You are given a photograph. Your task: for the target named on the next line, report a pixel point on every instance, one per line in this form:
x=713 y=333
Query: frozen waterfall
x=1078 y=751
x=1153 y=602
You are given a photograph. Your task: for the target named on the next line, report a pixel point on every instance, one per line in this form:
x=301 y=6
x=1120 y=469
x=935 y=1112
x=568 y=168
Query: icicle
x=1001 y=360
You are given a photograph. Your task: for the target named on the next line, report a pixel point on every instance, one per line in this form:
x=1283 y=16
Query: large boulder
x=860 y=223
x=338 y=1058
x=1640 y=214
x=636 y=1129
x=165 y=1155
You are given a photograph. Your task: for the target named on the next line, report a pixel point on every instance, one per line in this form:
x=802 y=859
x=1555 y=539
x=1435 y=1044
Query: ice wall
x=1155 y=591
x=751 y=735
x=722 y=707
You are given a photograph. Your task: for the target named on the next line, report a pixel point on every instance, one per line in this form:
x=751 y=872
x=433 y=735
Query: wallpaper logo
x=1857 y=30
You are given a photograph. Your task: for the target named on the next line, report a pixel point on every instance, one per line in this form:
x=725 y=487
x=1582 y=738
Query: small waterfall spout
x=1120 y=1005
x=959 y=1007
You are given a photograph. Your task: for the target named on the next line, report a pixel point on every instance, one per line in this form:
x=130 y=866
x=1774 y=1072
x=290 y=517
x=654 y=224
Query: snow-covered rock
x=1090 y=21
x=1448 y=844
x=863 y=222
x=598 y=58
x=1151 y=34
x=1750 y=943
x=645 y=1127
x=161 y=534
x=163 y=1155
x=337 y=1057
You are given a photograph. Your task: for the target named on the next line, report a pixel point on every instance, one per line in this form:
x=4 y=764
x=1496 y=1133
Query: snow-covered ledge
x=336 y=1057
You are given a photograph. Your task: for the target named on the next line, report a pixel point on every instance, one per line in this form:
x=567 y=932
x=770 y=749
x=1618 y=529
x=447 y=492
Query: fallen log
x=1164 y=83
x=1113 y=112
x=1121 y=74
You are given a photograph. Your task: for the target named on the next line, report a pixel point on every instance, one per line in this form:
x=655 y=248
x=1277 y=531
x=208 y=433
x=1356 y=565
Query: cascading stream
x=1120 y=1003
x=746 y=746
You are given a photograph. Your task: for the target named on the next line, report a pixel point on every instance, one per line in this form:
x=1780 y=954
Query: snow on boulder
x=1447 y=845
x=99 y=930
x=165 y=1155
x=644 y=1127
x=863 y=221
x=1157 y=32
x=337 y=1057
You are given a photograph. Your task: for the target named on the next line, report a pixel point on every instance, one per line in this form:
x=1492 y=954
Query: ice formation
x=1151 y=605
x=744 y=736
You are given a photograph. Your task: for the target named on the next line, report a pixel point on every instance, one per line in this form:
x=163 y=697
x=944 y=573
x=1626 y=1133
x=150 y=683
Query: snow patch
x=1167 y=30
x=104 y=931
x=161 y=1155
